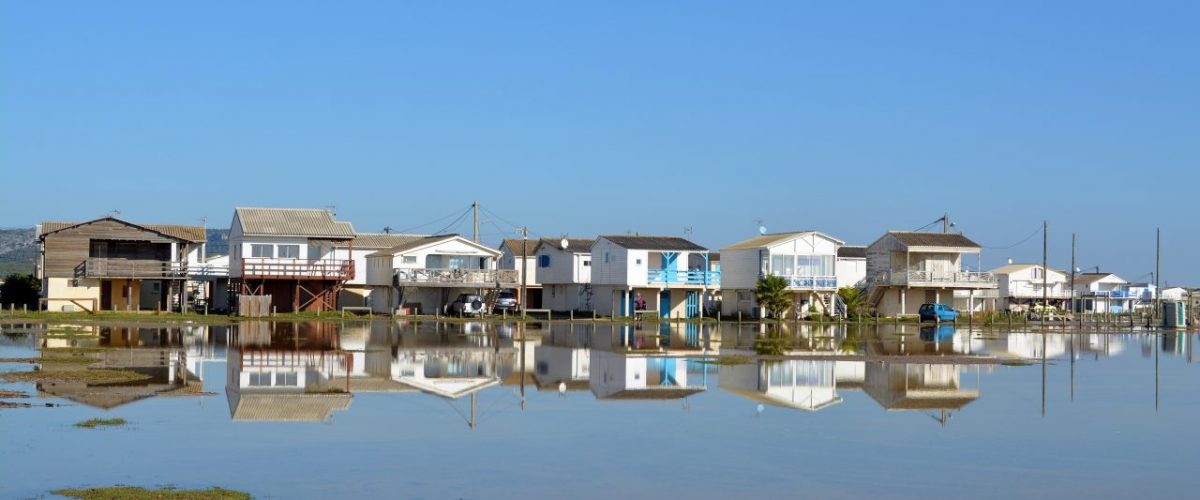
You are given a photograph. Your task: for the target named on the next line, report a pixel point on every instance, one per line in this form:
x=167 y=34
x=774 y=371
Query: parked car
x=505 y=302
x=937 y=313
x=467 y=304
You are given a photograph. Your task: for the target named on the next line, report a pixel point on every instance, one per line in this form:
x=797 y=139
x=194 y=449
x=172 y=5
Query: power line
x=430 y=223
x=502 y=219
x=455 y=222
x=1027 y=238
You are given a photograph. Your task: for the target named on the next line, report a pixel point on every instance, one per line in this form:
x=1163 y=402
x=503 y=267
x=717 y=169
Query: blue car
x=937 y=313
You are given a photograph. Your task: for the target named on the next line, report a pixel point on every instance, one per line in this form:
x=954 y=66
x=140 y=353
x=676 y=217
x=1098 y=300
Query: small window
x=260 y=379
x=289 y=251
x=263 y=251
x=543 y=261
x=286 y=379
x=408 y=259
x=638 y=262
x=587 y=263
x=606 y=257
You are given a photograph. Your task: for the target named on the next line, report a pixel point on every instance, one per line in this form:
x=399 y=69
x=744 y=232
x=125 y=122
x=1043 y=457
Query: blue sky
x=848 y=117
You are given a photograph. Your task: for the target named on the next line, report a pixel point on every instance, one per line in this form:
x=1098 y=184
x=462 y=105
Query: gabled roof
x=928 y=239
x=574 y=245
x=768 y=240
x=1012 y=268
x=301 y=222
x=379 y=240
x=194 y=234
x=514 y=246
x=285 y=407
x=668 y=243
x=432 y=240
x=852 y=252
x=1089 y=278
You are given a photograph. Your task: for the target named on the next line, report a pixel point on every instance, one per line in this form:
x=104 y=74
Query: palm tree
x=853 y=298
x=771 y=293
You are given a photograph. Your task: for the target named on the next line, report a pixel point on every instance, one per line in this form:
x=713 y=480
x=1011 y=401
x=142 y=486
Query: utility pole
x=946 y=222
x=1157 y=270
x=1045 y=270
x=475 y=209
x=524 y=272
x=1072 y=291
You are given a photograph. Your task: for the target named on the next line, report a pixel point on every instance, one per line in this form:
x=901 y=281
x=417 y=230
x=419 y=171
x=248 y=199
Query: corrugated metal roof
x=669 y=243
x=425 y=240
x=302 y=222
x=514 y=246
x=578 y=245
x=767 y=240
x=852 y=252
x=379 y=240
x=289 y=407
x=188 y=233
x=653 y=393
x=1012 y=268
x=1087 y=278
x=921 y=239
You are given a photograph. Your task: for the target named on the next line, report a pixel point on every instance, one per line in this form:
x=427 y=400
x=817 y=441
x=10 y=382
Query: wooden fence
x=254 y=306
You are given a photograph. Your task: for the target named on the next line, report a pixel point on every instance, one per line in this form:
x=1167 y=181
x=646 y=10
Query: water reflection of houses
x=639 y=376
x=563 y=359
x=801 y=384
x=155 y=352
x=286 y=372
x=899 y=386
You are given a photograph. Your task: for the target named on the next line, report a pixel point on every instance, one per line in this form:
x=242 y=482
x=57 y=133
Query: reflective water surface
x=402 y=409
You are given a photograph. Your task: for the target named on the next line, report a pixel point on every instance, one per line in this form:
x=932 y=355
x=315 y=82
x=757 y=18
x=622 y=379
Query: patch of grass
x=12 y=394
x=101 y=422
x=138 y=493
x=99 y=376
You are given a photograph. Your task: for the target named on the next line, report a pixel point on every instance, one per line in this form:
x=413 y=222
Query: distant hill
x=18 y=251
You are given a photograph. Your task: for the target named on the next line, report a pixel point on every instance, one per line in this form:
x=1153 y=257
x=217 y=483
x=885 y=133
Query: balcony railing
x=483 y=278
x=810 y=282
x=1037 y=294
x=690 y=277
x=98 y=267
x=933 y=278
x=202 y=271
x=1118 y=294
x=322 y=269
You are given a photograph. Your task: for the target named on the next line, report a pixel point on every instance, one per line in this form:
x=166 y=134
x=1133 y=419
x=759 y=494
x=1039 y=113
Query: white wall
x=850 y=271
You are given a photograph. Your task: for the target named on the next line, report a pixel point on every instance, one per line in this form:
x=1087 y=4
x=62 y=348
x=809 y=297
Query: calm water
x=396 y=409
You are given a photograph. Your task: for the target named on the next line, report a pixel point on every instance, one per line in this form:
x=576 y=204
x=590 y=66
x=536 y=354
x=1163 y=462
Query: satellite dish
x=563 y=243
x=1010 y=261
x=762 y=229
x=562 y=387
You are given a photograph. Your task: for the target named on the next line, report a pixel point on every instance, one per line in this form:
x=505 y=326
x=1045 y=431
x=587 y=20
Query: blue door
x=693 y=304
x=664 y=304
x=624 y=312
x=668 y=266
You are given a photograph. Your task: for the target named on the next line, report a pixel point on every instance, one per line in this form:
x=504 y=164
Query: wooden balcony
x=99 y=267
x=960 y=279
x=298 y=269
x=467 y=278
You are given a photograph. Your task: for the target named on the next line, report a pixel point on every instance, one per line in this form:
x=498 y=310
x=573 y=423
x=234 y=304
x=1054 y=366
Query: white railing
x=1032 y=293
x=810 y=282
x=467 y=277
x=321 y=269
x=935 y=278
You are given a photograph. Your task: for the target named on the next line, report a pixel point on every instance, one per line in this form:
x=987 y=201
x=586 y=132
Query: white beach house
x=520 y=255
x=565 y=272
x=906 y=269
x=655 y=268
x=426 y=274
x=806 y=259
x=1103 y=293
x=355 y=291
x=1021 y=286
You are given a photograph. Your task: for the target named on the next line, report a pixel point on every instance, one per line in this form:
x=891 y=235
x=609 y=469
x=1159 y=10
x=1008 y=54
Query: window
x=606 y=257
x=783 y=265
x=260 y=379
x=314 y=251
x=543 y=261
x=587 y=263
x=409 y=259
x=264 y=251
x=289 y=251
x=288 y=379
x=638 y=262
x=1037 y=273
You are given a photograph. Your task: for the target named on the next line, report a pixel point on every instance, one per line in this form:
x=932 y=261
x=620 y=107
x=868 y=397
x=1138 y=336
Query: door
x=664 y=304
x=693 y=304
x=105 y=295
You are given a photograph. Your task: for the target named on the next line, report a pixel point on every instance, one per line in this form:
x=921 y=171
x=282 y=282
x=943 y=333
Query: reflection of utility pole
x=472 y=411
x=521 y=339
x=1043 y=373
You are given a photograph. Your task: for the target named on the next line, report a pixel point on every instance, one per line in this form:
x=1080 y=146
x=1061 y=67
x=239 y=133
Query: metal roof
x=302 y=222
x=923 y=239
x=852 y=252
x=379 y=240
x=668 y=243
x=514 y=246
x=193 y=234
x=427 y=240
x=577 y=245
x=767 y=240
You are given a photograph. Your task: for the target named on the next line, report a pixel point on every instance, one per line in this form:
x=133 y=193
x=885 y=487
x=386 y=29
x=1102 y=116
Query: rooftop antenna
x=116 y=212
x=331 y=209
x=761 y=228
x=687 y=231
x=387 y=229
